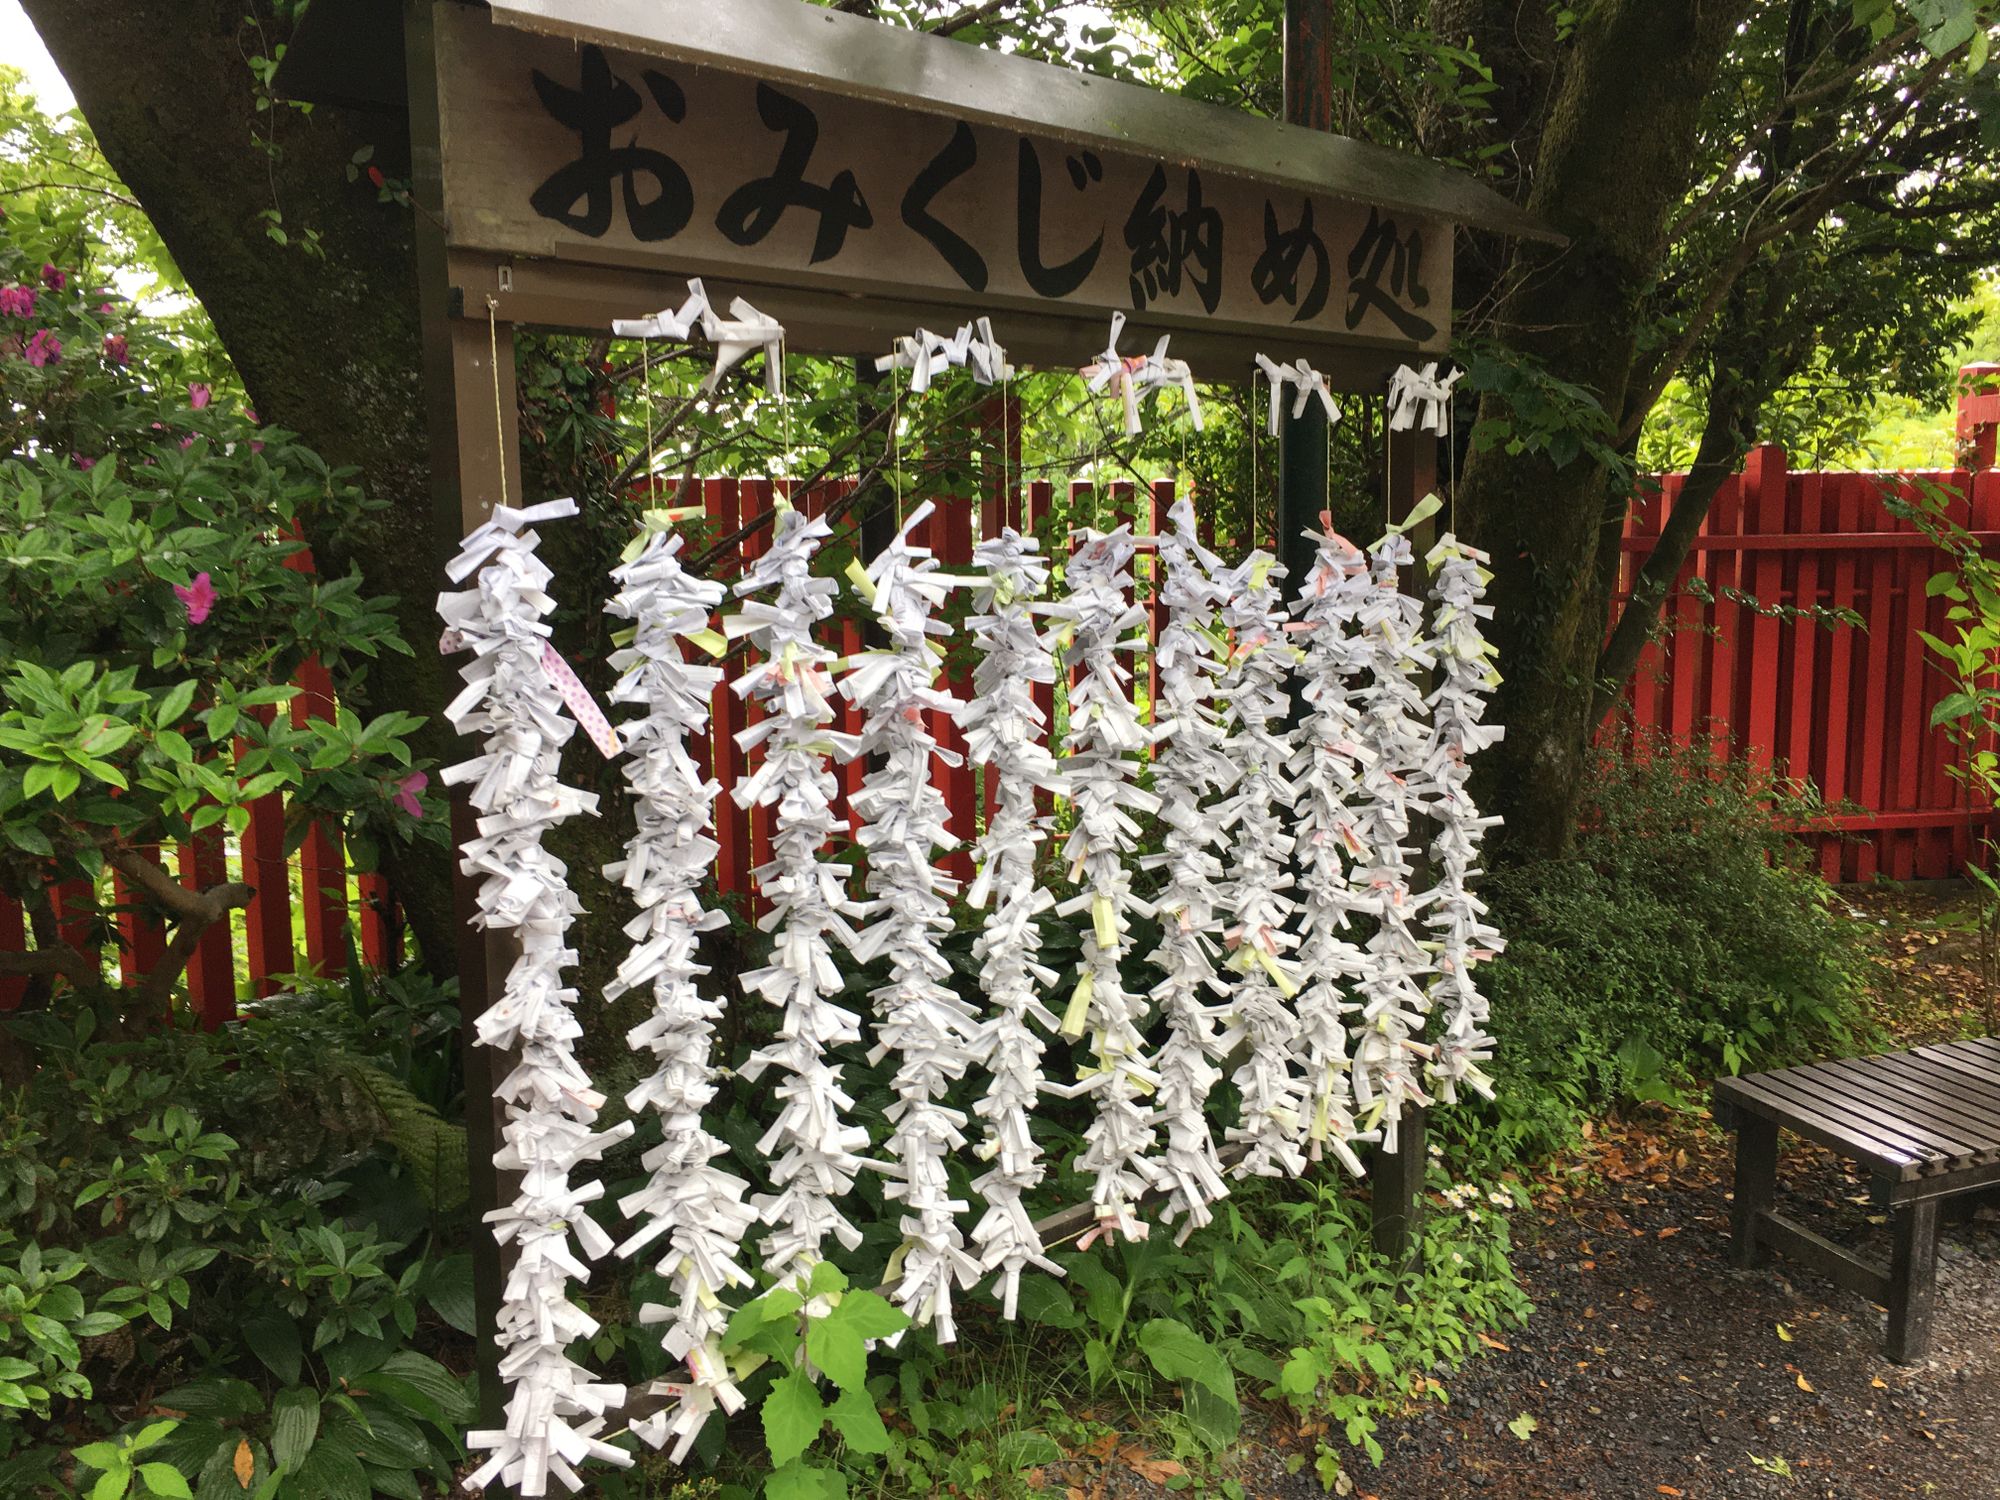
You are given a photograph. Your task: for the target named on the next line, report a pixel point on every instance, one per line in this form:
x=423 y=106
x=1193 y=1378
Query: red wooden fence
x=1749 y=658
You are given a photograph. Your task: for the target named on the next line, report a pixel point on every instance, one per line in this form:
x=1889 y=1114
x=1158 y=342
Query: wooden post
x=1302 y=440
x=474 y=456
x=1913 y=1281
x=1756 y=1185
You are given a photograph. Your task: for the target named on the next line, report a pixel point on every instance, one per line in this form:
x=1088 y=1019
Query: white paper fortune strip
x=1389 y=1049
x=554 y=1409
x=920 y=1020
x=1327 y=771
x=1419 y=399
x=1464 y=938
x=1104 y=743
x=1191 y=765
x=1138 y=374
x=1310 y=383
x=926 y=354
x=1003 y=729
x=811 y=1148
x=1272 y=1125
x=698 y=1210
x=735 y=337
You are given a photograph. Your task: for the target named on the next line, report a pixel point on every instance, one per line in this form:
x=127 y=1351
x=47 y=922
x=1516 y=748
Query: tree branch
x=970 y=17
x=157 y=988
x=49 y=963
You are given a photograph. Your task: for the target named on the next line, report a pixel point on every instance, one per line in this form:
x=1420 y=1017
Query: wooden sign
x=583 y=154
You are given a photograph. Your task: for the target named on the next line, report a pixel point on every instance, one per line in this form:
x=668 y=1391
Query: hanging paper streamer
x=1327 y=773
x=1139 y=374
x=735 y=337
x=1310 y=384
x=1104 y=744
x=812 y=1150
x=554 y=1409
x=920 y=1020
x=927 y=355
x=1003 y=729
x=700 y=1211
x=1389 y=1050
x=1464 y=938
x=1192 y=764
x=1255 y=702
x=1420 y=399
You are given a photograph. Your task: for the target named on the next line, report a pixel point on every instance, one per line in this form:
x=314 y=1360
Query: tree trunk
x=327 y=344
x=1615 y=159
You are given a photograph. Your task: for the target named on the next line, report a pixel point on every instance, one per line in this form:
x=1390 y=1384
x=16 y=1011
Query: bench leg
x=1913 y=1281
x=1756 y=1185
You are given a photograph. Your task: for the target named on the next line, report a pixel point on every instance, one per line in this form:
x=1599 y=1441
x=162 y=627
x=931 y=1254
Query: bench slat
x=1984 y=1050
x=1867 y=1117
x=1922 y=1102
x=1958 y=1063
x=1948 y=1080
x=1835 y=1135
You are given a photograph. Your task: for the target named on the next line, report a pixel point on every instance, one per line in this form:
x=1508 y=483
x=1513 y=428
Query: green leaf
x=798 y=1481
x=1179 y=1353
x=448 y=1289
x=1044 y=1300
x=165 y=1480
x=174 y=705
x=112 y=1484
x=857 y=1420
x=871 y=1316
x=97 y=1455
x=1026 y=1450
x=793 y=1413
x=835 y=1347
x=1523 y=1426
x=1953 y=706
x=96 y=1324
x=213 y=1396
x=274 y=1339
x=294 y=1424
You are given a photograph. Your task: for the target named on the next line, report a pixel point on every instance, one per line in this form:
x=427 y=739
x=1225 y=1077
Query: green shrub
x=1688 y=935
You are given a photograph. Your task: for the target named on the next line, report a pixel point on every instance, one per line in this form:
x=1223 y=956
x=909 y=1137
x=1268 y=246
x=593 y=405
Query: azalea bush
x=155 y=608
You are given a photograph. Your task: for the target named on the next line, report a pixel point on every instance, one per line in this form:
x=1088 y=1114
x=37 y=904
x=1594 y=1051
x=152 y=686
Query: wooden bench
x=1925 y=1123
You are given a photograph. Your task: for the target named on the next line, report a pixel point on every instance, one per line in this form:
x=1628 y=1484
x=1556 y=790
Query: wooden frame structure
x=569 y=157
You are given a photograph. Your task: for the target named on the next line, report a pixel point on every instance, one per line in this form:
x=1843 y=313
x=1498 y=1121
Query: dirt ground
x=1652 y=1368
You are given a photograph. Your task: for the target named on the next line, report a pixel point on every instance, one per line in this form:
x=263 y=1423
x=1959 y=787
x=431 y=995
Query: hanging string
x=499 y=414
x=896 y=440
x=1255 y=371
x=1007 y=506
x=646 y=385
x=784 y=420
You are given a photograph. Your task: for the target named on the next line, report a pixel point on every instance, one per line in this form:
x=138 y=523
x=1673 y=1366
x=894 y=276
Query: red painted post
x=1764 y=506
x=13 y=939
x=142 y=942
x=322 y=861
x=1911 y=675
x=1978 y=414
x=1684 y=644
x=1641 y=536
x=952 y=524
x=732 y=823
x=1724 y=524
x=267 y=921
x=1802 y=711
x=211 y=975
x=1878 y=608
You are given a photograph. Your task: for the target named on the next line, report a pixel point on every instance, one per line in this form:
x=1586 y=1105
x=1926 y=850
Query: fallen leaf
x=1805 y=1385
x=244 y=1464
x=1523 y=1426
x=1784 y=1333
x=1036 y=1478
x=1074 y=1492
x=1642 y=1303
x=1492 y=1343
x=1104 y=1447
x=1879 y=1383
x=1665 y=1489
x=1158 y=1470
x=1669 y=1232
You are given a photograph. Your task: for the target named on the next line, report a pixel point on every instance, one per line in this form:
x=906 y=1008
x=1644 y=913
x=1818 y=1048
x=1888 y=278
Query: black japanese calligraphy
x=753 y=210
x=1276 y=275
x=1085 y=170
x=578 y=195
x=957 y=157
x=1383 y=270
x=1169 y=245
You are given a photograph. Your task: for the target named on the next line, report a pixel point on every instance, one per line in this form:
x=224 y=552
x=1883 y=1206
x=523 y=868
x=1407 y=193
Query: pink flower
x=116 y=349
x=198 y=395
x=86 y=464
x=106 y=310
x=17 y=301
x=188 y=441
x=42 y=349
x=53 y=279
x=250 y=415
x=199 y=597
x=407 y=790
